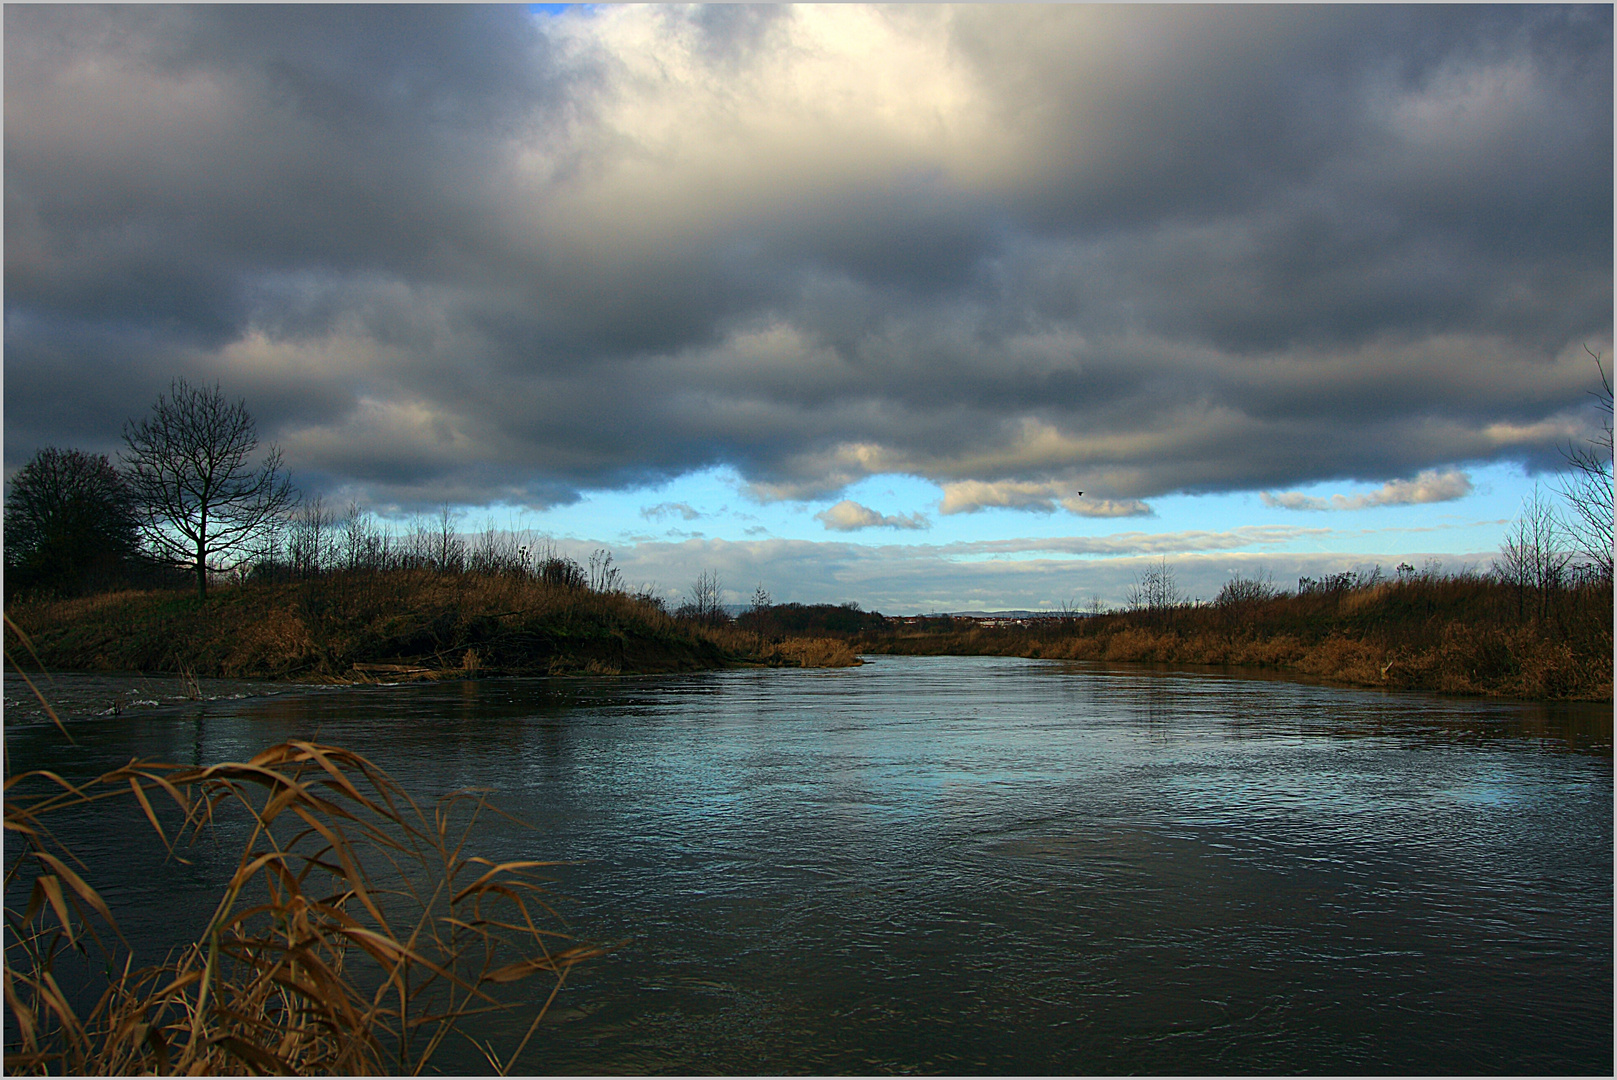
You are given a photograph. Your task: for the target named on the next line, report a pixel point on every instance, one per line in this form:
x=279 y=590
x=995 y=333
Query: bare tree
x=1155 y=590
x=362 y=542
x=1587 y=487
x=1531 y=559
x=704 y=602
x=202 y=501
x=497 y=551
x=312 y=545
x=415 y=545
x=446 y=550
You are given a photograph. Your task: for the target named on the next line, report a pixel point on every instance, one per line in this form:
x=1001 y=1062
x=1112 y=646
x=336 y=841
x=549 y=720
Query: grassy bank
x=386 y=625
x=1455 y=634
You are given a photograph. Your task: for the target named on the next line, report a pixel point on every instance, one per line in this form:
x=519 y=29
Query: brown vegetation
x=1456 y=634
x=356 y=935
x=369 y=625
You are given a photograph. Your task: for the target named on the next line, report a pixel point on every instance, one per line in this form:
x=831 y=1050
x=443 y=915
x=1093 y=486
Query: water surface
x=1000 y=865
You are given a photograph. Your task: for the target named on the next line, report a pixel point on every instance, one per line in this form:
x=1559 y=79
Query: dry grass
x=344 y=626
x=356 y=935
x=1457 y=635
x=816 y=652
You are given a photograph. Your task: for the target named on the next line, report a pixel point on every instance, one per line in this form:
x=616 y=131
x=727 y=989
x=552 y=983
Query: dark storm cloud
x=169 y=160
x=462 y=253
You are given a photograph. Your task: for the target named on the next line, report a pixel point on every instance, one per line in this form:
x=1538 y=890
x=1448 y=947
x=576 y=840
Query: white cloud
x=1430 y=486
x=1107 y=508
x=1139 y=543
x=970 y=496
x=848 y=516
x=1294 y=500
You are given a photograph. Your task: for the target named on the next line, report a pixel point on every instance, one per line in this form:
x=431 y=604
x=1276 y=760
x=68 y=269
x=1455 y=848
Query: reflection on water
x=996 y=865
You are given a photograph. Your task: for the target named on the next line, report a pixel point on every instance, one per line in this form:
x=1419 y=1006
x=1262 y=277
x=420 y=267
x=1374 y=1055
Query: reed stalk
x=356 y=935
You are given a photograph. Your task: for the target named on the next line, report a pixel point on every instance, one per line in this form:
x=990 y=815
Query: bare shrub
x=1241 y=591
x=816 y=652
x=563 y=572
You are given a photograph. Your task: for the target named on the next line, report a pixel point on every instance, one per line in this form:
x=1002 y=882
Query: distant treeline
x=810 y=619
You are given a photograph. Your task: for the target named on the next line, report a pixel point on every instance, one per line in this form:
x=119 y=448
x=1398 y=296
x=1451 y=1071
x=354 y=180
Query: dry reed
x=815 y=652
x=356 y=935
x=1460 y=634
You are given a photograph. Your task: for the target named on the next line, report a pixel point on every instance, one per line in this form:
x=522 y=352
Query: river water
x=989 y=865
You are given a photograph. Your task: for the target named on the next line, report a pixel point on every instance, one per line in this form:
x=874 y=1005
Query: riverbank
x=392 y=626
x=1453 y=635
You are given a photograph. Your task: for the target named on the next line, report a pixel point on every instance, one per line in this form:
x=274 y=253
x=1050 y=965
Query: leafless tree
x=1155 y=590
x=447 y=550
x=362 y=543
x=202 y=501
x=312 y=543
x=497 y=551
x=1531 y=558
x=1586 y=485
x=704 y=602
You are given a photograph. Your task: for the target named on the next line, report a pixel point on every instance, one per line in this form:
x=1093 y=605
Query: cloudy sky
x=923 y=307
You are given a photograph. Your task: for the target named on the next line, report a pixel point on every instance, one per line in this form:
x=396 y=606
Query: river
x=988 y=865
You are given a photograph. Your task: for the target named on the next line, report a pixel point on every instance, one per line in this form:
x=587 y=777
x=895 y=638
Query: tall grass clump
x=358 y=934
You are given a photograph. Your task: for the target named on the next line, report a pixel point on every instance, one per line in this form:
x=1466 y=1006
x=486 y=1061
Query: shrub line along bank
x=369 y=626
x=1455 y=634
